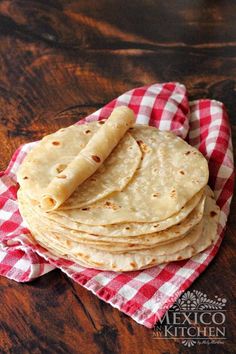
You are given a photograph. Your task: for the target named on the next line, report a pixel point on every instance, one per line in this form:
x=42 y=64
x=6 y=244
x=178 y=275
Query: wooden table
x=61 y=60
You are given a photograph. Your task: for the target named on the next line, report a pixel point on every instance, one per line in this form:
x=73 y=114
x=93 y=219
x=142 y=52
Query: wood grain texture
x=61 y=60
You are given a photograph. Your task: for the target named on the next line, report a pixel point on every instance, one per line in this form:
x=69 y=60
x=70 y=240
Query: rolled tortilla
x=89 y=159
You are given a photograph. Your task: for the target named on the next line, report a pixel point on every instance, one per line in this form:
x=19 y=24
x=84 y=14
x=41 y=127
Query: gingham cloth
x=144 y=295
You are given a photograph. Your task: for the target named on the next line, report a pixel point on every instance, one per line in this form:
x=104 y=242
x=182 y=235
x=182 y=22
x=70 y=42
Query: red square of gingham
x=144 y=295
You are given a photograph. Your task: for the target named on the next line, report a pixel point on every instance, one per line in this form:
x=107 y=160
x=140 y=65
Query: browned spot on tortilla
x=195 y=181
x=213 y=213
x=179 y=258
x=131 y=245
x=133 y=264
x=51 y=201
x=187 y=153
x=112 y=205
x=93 y=179
x=87 y=131
x=62 y=176
x=139 y=142
x=96 y=158
x=173 y=193
x=156 y=225
x=98 y=264
x=84 y=209
x=144 y=147
x=182 y=172
x=150 y=263
x=101 y=121
x=25 y=177
x=156 y=195
x=60 y=167
x=56 y=143
x=127 y=228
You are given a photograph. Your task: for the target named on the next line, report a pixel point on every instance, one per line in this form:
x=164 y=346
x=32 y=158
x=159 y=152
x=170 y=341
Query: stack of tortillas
x=117 y=196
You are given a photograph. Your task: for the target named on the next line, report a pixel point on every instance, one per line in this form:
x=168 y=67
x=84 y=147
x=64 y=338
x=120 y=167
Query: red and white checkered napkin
x=144 y=295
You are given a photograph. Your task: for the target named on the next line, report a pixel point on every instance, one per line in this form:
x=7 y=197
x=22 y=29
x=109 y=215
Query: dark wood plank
x=61 y=60
x=76 y=24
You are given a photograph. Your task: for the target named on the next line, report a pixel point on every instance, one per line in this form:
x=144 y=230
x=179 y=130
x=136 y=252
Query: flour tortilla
x=45 y=161
x=104 y=242
x=122 y=244
x=76 y=247
x=89 y=159
x=127 y=229
x=93 y=258
x=116 y=231
x=170 y=174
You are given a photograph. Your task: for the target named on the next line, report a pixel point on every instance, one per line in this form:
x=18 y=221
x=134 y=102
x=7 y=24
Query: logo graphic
x=194 y=319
